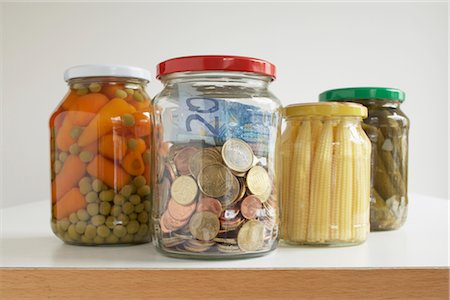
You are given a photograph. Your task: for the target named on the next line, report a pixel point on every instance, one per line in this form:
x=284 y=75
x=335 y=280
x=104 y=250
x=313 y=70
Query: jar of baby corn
x=326 y=175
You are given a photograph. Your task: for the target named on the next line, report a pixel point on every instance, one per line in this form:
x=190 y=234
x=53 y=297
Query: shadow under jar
x=326 y=175
x=387 y=127
x=100 y=157
x=216 y=195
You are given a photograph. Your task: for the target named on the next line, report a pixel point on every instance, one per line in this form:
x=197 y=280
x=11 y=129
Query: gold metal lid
x=325 y=109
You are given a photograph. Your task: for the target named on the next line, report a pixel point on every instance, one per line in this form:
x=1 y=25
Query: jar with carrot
x=101 y=156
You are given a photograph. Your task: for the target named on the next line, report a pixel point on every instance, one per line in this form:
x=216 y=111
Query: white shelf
x=27 y=242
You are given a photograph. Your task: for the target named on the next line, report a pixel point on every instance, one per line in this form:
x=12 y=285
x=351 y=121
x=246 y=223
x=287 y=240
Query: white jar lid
x=100 y=70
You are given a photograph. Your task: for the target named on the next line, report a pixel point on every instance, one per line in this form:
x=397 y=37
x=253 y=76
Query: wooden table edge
x=268 y=283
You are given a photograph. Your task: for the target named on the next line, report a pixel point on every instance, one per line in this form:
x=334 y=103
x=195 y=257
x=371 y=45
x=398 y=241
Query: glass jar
x=387 y=127
x=216 y=195
x=326 y=175
x=100 y=157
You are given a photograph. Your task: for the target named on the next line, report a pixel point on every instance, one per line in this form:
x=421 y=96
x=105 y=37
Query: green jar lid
x=362 y=93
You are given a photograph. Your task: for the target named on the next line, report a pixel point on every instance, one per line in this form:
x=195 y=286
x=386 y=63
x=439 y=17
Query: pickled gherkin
x=387 y=128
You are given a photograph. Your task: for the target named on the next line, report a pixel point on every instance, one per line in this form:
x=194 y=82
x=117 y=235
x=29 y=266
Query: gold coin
x=258 y=182
x=233 y=192
x=214 y=180
x=204 y=225
x=251 y=236
x=237 y=155
x=184 y=190
x=203 y=158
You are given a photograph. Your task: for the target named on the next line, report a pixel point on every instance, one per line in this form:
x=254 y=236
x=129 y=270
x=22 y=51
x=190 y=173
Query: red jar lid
x=215 y=63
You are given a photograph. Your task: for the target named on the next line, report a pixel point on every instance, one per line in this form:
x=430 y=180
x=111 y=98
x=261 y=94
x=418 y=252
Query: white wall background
x=315 y=47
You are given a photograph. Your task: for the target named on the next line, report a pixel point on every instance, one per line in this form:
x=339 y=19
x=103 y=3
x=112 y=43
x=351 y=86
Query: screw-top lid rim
x=329 y=109
x=104 y=70
x=363 y=93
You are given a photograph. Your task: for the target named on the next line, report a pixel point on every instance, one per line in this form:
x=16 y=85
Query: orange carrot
x=72 y=171
x=54 y=198
x=147 y=173
x=141 y=106
x=56 y=118
x=85 y=107
x=63 y=137
x=110 y=91
x=104 y=121
x=133 y=163
x=92 y=147
x=141 y=124
x=69 y=99
x=112 y=146
x=113 y=175
x=140 y=146
x=72 y=201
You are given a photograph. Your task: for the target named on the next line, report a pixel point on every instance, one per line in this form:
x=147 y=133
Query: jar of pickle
x=216 y=195
x=326 y=175
x=101 y=157
x=387 y=127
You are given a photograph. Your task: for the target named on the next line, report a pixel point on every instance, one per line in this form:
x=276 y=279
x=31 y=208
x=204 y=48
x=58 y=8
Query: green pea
x=139 y=181
x=75 y=132
x=86 y=240
x=120 y=231
x=77 y=86
x=83 y=215
x=97 y=185
x=127 y=208
x=147 y=205
x=139 y=208
x=143 y=190
x=55 y=227
x=82 y=91
x=103 y=231
x=99 y=240
x=64 y=223
x=63 y=156
x=85 y=180
x=73 y=234
x=98 y=220
x=143 y=230
x=86 y=156
x=126 y=190
x=95 y=87
x=147 y=156
x=107 y=195
x=92 y=209
x=132 y=216
x=121 y=94
x=119 y=199
x=132 y=227
x=135 y=199
x=129 y=91
x=143 y=217
x=73 y=218
x=80 y=227
x=138 y=96
x=132 y=144
x=112 y=239
x=128 y=120
x=123 y=219
x=91 y=231
x=74 y=149
x=110 y=222
x=105 y=208
x=85 y=187
x=66 y=237
x=57 y=166
x=91 y=197
x=116 y=210
x=127 y=238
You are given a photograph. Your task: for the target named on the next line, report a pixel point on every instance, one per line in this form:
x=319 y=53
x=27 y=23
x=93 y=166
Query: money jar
x=215 y=193
x=100 y=157
x=387 y=127
x=326 y=175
